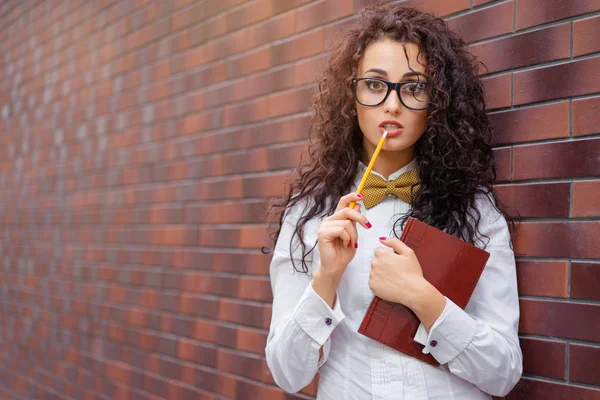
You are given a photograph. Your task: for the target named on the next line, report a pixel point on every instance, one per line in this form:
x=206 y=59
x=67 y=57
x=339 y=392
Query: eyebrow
x=406 y=75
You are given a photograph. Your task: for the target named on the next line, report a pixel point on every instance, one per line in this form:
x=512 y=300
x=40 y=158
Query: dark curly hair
x=454 y=155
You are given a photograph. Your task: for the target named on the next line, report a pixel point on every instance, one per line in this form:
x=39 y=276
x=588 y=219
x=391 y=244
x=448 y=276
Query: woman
x=403 y=71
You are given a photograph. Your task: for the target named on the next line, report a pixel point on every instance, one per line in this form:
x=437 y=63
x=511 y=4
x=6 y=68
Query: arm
x=299 y=327
x=303 y=318
x=481 y=344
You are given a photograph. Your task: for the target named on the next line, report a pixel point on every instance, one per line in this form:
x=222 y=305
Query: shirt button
x=433 y=343
x=389 y=195
x=328 y=321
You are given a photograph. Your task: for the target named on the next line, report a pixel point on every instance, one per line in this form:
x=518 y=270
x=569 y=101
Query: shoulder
x=492 y=224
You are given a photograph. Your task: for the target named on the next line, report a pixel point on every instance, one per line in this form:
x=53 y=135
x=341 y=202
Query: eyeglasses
x=374 y=91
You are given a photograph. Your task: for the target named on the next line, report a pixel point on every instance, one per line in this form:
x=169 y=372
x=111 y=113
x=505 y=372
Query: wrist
x=424 y=294
x=428 y=303
x=325 y=285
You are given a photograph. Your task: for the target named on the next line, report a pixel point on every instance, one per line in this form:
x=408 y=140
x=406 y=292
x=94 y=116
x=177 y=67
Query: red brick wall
x=140 y=141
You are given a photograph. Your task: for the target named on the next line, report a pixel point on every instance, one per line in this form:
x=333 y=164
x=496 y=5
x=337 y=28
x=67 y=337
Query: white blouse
x=478 y=348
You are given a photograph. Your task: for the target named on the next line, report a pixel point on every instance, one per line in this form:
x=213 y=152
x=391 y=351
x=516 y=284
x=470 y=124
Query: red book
x=452 y=265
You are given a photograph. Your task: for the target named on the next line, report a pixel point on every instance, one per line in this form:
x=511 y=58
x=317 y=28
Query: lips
x=394 y=128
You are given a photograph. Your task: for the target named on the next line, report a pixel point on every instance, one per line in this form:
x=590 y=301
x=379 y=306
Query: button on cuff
x=315 y=317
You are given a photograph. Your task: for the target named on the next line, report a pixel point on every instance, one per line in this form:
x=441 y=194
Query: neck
x=389 y=162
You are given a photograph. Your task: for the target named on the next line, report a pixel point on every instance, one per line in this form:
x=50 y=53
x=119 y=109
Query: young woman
x=403 y=71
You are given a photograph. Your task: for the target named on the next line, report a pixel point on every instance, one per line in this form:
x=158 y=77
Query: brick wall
x=141 y=140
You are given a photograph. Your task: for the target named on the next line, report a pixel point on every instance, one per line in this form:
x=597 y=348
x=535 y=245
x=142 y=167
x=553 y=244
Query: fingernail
x=356 y=245
x=382 y=238
x=349 y=245
x=368 y=224
x=361 y=195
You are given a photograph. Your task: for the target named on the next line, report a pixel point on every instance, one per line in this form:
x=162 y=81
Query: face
x=386 y=59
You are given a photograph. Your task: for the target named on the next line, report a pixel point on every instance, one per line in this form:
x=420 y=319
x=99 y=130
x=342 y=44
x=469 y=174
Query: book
x=450 y=264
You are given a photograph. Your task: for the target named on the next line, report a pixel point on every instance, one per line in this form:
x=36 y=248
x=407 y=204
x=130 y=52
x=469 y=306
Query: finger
x=397 y=245
x=381 y=252
x=352 y=215
x=347 y=199
x=348 y=226
x=329 y=234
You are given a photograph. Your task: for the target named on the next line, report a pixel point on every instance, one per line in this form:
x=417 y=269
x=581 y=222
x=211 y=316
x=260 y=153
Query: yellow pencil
x=370 y=167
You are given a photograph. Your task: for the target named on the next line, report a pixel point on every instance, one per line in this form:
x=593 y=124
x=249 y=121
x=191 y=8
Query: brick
x=577 y=158
x=303 y=46
x=544 y=357
x=530 y=48
x=485 y=23
x=502 y=160
x=558 y=319
x=255 y=288
x=529 y=124
x=263 y=83
x=290 y=102
x=537 y=12
x=249 y=14
x=251 y=340
x=282 y=6
x=243 y=237
x=549 y=83
x=585 y=199
x=586 y=116
x=497 y=91
x=542 y=278
x=250 y=111
x=307 y=71
x=583 y=364
x=321 y=13
x=585 y=34
x=539 y=239
x=538 y=200
x=249 y=63
x=440 y=8
x=244 y=313
x=585 y=278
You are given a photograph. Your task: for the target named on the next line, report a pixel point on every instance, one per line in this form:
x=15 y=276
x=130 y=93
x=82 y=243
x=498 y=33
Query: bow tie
x=377 y=188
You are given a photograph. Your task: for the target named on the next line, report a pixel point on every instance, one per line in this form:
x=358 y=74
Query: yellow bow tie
x=377 y=188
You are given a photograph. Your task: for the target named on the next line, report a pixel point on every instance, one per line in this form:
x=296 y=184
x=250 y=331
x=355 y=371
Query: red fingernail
x=382 y=238
x=356 y=245
x=349 y=245
x=361 y=195
x=368 y=224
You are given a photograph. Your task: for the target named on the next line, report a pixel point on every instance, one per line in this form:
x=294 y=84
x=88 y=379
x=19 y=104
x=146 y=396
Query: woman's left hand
x=398 y=276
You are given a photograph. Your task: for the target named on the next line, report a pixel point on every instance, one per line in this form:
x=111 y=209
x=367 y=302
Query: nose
x=392 y=104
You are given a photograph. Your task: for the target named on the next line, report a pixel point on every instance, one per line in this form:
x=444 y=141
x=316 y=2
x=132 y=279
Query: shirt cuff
x=450 y=334
x=315 y=317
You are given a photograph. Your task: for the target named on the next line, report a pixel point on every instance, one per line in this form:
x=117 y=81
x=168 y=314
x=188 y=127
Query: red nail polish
x=383 y=238
x=368 y=224
x=361 y=195
x=356 y=245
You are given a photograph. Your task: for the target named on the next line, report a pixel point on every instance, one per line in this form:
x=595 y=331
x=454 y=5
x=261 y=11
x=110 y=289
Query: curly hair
x=454 y=155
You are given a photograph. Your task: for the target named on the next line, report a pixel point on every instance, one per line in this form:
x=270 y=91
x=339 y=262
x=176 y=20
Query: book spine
x=368 y=316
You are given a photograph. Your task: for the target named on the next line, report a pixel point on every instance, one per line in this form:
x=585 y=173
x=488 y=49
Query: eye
x=417 y=87
x=375 y=85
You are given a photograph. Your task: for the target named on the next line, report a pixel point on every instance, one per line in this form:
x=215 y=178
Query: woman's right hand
x=337 y=236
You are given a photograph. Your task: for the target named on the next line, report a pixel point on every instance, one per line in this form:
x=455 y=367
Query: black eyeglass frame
x=391 y=86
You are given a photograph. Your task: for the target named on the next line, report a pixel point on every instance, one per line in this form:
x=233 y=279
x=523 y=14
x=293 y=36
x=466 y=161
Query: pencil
x=370 y=167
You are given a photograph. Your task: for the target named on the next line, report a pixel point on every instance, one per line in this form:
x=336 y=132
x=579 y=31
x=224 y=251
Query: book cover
x=450 y=264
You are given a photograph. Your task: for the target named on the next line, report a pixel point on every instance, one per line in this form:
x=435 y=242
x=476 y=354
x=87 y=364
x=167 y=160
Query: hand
x=396 y=276
x=337 y=236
